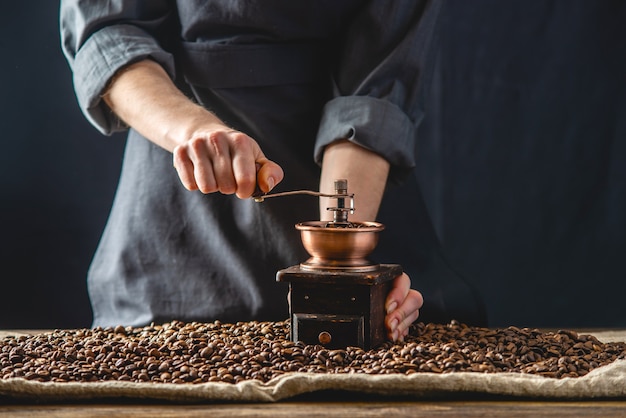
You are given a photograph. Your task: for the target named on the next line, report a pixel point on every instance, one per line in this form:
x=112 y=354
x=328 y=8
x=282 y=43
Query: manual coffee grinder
x=337 y=296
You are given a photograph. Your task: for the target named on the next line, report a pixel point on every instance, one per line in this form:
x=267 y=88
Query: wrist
x=145 y=98
x=187 y=121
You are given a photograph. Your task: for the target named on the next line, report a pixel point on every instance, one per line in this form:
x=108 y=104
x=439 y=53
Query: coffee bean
x=206 y=352
x=189 y=353
x=165 y=366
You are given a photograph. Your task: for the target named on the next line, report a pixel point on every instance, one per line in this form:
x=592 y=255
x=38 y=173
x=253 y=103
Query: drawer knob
x=324 y=337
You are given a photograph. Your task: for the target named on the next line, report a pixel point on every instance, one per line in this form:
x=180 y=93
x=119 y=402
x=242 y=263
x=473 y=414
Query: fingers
x=402 y=306
x=185 y=168
x=225 y=161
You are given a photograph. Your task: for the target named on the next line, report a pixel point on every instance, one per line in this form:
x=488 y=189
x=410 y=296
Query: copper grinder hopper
x=337 y=296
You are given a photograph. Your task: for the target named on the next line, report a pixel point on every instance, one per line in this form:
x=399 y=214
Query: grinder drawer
x=331 y=331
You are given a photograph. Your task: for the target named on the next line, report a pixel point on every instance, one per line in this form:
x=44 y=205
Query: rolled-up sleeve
x=99 y=38
x=384 y=60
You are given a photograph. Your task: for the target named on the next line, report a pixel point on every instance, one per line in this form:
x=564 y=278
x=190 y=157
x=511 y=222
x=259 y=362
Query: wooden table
x=329 y=407
x=329 y=404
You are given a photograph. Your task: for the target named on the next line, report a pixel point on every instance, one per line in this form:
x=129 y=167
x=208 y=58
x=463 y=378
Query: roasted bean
x=190 y=353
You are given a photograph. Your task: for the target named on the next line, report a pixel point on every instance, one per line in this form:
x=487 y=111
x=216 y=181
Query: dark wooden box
x=338 y=308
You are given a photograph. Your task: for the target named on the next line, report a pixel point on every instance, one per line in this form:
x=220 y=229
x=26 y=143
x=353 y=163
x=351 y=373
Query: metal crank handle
x=259 y=197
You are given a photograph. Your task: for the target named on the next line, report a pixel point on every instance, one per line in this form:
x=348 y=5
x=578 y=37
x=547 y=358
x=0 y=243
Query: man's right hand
x=225 y=161
x=208 y=155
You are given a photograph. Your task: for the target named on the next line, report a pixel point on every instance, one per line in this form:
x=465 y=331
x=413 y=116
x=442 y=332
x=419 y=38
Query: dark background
x=523 y=157
x=522 y=162
x=58 y=176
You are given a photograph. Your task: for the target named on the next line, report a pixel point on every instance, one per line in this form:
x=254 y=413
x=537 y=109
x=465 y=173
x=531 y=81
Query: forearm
x=366 y=173
x=208 y=155
x=145 y=98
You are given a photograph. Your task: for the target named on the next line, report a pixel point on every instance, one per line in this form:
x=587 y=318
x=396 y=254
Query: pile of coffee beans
x=178 y=352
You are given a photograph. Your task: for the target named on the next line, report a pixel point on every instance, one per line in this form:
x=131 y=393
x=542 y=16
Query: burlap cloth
x=605 y=382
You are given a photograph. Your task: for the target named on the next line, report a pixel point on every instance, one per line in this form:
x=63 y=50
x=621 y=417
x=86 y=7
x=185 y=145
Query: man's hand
x=402 y=306
x=226 y=161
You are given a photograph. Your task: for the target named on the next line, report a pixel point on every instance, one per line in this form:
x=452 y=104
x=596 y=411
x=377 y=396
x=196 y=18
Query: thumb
x=268 y=175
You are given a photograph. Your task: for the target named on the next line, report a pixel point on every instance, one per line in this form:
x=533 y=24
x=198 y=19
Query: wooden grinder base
x=338 y=308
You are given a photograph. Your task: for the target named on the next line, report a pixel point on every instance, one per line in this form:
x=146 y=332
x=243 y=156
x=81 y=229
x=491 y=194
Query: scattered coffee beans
x=178 y=352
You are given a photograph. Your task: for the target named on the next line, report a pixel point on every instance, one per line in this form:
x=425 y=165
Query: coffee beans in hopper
x=178 y=352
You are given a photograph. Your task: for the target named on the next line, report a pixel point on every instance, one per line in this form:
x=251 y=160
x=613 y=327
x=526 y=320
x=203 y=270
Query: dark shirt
x=295 y=76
